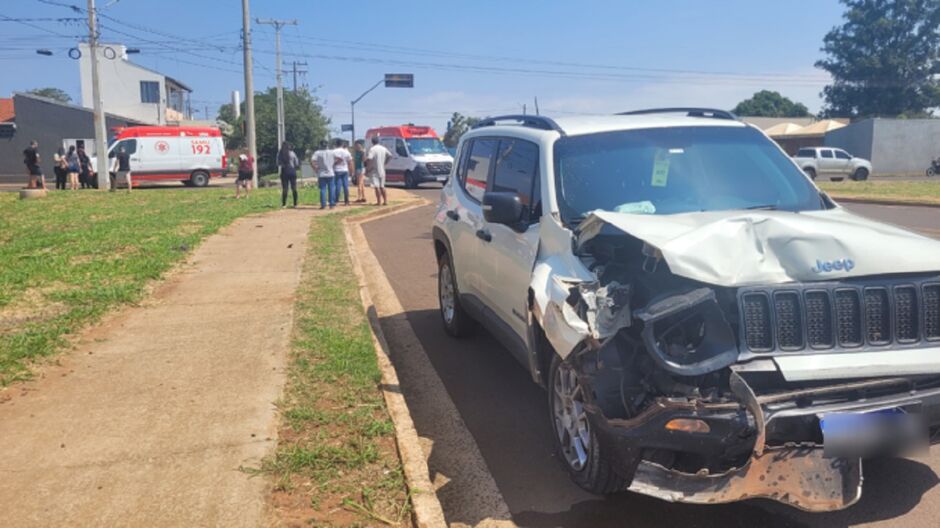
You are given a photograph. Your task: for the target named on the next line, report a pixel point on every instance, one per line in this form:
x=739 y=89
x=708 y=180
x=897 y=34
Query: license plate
x=881 y=433
x=442 y=178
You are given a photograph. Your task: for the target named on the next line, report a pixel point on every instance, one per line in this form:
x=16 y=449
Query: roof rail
x=689 y=111
x=531 y=121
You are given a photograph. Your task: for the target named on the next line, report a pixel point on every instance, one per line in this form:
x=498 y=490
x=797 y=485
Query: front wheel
x=456 y=321
x=931 y=172
x=861 y=174
x=575 y=442
x=199 y=179
x=810 y=172
x=410 y=182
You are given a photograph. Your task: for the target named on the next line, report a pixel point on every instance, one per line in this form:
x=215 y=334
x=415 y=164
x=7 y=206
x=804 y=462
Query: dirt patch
x=32 y=306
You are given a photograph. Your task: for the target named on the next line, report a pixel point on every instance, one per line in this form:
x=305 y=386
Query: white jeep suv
x=708 y=325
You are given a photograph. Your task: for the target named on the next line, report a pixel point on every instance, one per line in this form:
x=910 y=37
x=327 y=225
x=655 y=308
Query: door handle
x=484 y=235
x=453 y=215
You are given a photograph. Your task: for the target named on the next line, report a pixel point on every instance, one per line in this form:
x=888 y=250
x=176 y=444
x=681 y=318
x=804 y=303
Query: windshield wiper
x=768 y=207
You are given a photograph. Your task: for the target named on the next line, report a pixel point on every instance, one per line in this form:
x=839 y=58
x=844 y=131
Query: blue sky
x=480 y=58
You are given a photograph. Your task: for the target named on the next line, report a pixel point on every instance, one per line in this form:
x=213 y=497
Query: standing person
x=84 y=173
x=322 y=162
x=245 y=168
x=60 y=168
x=376 y=161
x=288 y=163
x=342 y=168
x=121 y=169
x=359 y=176
x=31 y=160
x=74 y=166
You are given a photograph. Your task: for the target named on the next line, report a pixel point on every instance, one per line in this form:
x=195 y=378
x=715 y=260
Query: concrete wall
x=905 y=146
x=120 y=84
x=856 y=139
x=49 y=123
x=894 y=146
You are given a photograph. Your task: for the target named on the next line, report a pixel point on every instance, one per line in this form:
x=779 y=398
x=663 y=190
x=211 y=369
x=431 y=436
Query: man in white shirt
x=322 y=162
x=376 y=160
x=342 y=168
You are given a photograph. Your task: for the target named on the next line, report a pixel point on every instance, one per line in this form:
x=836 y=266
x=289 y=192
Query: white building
x=130 y=90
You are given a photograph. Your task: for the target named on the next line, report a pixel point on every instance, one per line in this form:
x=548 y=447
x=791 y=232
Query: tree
x=304 y=123
x=884 y=59
x=770 y=104
x=52 y=93
x=457 y=127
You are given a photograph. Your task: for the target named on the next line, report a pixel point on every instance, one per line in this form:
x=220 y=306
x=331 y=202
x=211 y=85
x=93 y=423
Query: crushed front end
x=712 y=394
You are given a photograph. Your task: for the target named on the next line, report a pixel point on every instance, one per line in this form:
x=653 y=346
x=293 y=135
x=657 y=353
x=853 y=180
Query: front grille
x=818 y=319
x=840 y=315
x=789 y=321
x=438 y=167
x=932 y=311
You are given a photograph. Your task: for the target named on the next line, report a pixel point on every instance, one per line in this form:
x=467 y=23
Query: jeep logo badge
x=825 y=266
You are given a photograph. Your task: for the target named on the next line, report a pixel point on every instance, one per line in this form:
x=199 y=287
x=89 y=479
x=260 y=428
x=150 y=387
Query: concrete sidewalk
x=148 y=420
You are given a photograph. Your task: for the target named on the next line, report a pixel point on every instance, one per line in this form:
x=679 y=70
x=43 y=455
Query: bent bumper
x=773 y=443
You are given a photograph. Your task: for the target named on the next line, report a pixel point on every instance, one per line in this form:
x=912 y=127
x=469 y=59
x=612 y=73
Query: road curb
x=427 y=510
x=876 y=201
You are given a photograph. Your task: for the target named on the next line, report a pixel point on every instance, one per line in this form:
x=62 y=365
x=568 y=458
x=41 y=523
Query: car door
x=394 y=171
x=508 y=252
x=827 y=161
x=842 y=162
x=477 y=157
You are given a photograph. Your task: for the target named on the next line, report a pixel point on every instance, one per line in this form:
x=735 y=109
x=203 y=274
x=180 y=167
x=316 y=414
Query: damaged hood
x=738 y=248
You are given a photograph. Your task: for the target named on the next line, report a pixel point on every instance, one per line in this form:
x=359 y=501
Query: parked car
x=419 y=156
x=709 y=326
x=190 y=155
x=832 y=162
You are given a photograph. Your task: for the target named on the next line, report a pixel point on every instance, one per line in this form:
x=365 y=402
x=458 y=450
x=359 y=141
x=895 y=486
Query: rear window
x=806 y=153
x=478 y=166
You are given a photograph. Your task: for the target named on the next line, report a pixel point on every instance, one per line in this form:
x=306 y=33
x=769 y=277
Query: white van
x=419 y=156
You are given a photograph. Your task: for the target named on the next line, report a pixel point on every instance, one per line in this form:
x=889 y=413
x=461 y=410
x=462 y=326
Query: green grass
x=921 y=191
x=336 y=446
x=69 y=258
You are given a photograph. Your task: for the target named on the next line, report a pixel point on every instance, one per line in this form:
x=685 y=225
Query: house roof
x=819 y=128
x=76 y=107
x=782 y=129
x=6 y=109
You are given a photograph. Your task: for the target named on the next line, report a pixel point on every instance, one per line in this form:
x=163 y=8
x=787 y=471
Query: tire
x=931 y=172
x=593 y=471
x=199 y=179
x=410 y=180
x=811 y=172
x=861 y=174
x=457 y=322
x=837 y=178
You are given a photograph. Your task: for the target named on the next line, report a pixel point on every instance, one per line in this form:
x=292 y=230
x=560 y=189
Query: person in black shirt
x=84 y=168
x=31 y=159
x=121 y=169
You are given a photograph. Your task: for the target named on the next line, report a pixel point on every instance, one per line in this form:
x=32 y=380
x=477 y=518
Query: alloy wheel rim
x=571 y=422
x=446 y=288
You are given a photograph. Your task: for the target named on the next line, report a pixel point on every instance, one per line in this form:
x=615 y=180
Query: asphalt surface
x=507 y=414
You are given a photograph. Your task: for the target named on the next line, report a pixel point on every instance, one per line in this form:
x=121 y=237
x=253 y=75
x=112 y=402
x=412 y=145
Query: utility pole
x=249 y=94
x=278 y=24
x=101 y=128
x=296 y=71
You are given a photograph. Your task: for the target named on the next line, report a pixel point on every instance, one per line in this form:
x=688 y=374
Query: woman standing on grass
x=73 y=167
x=289 y=163
x=245 y=170
x=60 y=168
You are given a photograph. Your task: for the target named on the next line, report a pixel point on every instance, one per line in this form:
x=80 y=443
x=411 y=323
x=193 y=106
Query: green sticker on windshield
x=660 y=170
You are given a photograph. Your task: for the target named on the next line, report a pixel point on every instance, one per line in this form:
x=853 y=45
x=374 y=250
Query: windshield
x=677 y=170
x=419 y=146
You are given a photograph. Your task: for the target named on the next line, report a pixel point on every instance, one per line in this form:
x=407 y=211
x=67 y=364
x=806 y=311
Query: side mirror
x=502 y=208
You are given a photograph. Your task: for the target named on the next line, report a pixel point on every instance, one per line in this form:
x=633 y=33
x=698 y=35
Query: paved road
x=507 y=415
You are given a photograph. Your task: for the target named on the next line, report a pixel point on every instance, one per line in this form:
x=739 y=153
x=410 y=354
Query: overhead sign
x=399 y=80
x=346 y=128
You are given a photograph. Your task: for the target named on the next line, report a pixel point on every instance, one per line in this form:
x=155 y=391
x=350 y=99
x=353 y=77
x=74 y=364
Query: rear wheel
x=575 y=441
x=811 y=172
x=861 y=174
x=199 y=179
x=456 y=321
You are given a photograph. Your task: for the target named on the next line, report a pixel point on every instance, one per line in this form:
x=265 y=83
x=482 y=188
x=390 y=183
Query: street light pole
x=249 y=95
x=352 y=107
x=101 y=128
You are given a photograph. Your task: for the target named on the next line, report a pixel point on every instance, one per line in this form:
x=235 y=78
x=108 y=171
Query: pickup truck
x=832 y=162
